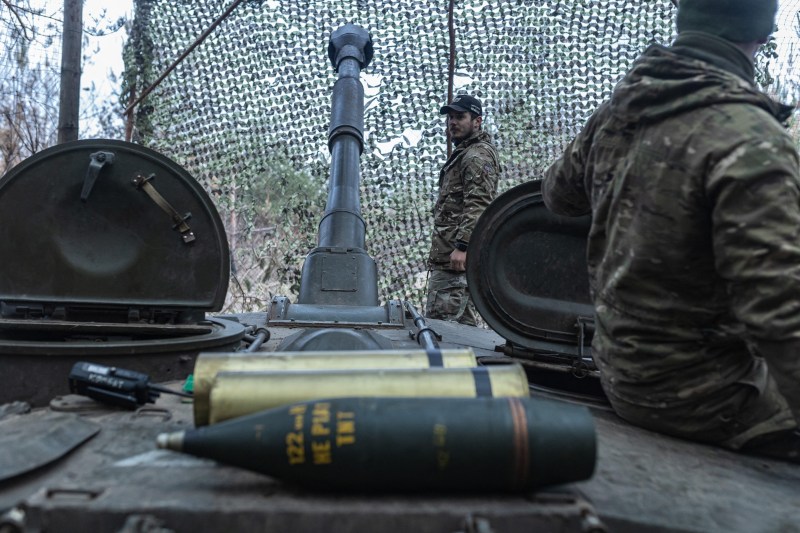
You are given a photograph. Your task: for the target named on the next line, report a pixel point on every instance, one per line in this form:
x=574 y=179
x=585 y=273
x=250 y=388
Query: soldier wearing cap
x=467 y=184
x=693 y=185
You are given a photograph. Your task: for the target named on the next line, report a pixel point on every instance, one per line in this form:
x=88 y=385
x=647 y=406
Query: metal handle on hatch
x=97 y=161
x=143 y=184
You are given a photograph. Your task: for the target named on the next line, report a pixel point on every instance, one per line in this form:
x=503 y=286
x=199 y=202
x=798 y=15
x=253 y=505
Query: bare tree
x=28 y=91
x=30 y=58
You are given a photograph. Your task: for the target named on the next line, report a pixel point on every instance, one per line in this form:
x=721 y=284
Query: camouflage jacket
x=694 y=248
x=467 y=185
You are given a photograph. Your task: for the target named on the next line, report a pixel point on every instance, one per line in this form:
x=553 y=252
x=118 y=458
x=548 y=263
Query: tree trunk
x=69 y=103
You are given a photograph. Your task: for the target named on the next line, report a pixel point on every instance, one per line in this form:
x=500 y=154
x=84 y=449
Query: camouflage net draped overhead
x=247 y=112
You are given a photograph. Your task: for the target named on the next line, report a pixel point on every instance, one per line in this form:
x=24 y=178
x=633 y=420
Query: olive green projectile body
x=389 y=444
x=209 y=364
x=236 y=394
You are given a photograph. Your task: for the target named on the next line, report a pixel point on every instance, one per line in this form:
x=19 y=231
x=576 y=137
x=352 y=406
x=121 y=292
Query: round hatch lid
x=110 y=223
x=527 y=272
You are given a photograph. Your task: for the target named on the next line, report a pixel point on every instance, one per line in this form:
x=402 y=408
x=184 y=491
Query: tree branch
x=13 y=10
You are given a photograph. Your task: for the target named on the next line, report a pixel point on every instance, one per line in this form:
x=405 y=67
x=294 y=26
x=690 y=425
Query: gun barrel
x=350 y=50
x=339 y=271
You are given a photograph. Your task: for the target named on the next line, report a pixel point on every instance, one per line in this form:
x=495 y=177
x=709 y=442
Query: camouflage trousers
x=731 y=417
x=448 y=298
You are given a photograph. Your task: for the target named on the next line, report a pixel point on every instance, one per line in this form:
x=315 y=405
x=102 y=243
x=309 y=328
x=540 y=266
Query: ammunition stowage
x=486 y=444
x=209 y=364
x=236 y=394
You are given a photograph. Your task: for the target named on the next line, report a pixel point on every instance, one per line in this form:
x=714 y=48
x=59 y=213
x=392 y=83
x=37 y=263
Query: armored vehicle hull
x=117 y=479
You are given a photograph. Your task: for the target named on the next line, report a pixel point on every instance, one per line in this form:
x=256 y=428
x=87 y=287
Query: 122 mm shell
x=209 y=364
x=236 y=394
x=389 y=444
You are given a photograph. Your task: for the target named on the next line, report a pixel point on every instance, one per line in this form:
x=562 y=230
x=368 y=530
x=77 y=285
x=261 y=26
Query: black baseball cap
x=463 y=103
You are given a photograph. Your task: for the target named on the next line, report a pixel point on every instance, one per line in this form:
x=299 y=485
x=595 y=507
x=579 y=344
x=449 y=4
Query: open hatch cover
x=527 y=273
x=103 y=225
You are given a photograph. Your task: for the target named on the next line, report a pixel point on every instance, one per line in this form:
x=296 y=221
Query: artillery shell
x=236 y=394
x=391 y=444
x=209 y=364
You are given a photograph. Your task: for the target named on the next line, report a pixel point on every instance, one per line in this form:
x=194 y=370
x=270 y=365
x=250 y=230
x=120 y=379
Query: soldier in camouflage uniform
x=694 y=248
x=467 y=184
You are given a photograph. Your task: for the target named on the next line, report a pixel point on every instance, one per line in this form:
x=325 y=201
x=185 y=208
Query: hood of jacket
x=698 y=70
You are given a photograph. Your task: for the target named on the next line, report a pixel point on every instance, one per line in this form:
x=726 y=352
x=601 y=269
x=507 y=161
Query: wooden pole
x=451 y=66
x=69 y=100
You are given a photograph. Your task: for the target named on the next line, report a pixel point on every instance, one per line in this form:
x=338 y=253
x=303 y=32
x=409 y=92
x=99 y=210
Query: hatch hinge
x=26 y=311
x=98 y=314
x=585 y=326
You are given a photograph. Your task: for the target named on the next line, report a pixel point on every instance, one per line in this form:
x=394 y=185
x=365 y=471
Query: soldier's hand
x=458 y=260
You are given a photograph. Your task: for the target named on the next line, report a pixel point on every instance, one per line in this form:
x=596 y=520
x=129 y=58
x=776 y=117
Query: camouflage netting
x=247 y=112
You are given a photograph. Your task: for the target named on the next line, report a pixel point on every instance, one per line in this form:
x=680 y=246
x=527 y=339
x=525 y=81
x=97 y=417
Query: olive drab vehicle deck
x=113 y=254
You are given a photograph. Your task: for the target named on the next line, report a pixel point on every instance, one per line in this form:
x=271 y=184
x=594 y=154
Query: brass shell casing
x=209 y=364
x=235 y=394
